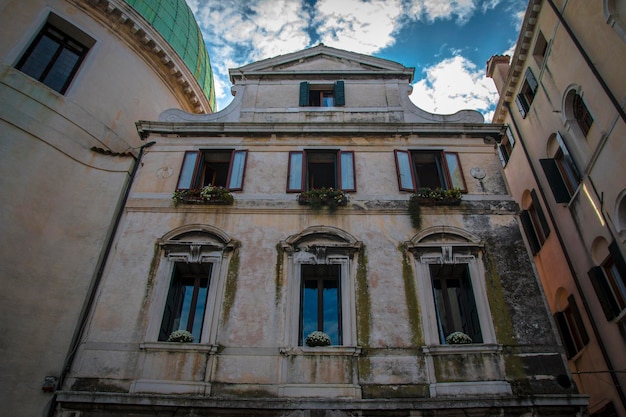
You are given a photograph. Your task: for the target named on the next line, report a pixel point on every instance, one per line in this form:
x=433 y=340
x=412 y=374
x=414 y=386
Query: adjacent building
x=75 y=76
x=320 y=200
x=562 y=94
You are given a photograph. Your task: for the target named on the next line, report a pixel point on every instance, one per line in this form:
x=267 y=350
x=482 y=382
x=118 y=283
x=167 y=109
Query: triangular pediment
x=323 y=60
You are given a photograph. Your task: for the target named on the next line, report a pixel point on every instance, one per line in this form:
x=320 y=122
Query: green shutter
x=557 y=185
x=566 y=336
x=527 y=224
x=304 y=94
x=540 y=215
x=603 y=291
x=340 y=94
x=521 y=105
x=617 y=257
x=578 y=319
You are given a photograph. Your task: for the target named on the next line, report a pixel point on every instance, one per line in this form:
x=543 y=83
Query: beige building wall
x=583 y=227
x=247 y=356
x=59 y=195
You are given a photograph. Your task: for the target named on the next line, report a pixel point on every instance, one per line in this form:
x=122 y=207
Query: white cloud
x=455 y=84
x=432 y=10
x=358 y=25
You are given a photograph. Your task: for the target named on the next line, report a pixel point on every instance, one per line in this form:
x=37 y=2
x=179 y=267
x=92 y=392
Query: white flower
x=181 y=336
x=458 y=338
x=317 y=338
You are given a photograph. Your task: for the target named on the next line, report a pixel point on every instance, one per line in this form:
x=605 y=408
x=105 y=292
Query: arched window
x=189 y=281
x=321 y=262
x=450 y=276
x=561 y=171
x=615 y=14
x=576 y=114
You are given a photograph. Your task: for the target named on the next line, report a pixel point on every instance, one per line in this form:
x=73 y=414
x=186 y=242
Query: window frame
x=610 y=289
x=561 y=172
x=535 y=224
x=175 y=300
x=298 y=182
x=320 y=304
x=190 y=244
x=527 y=93
x=189 y=179
x=440 y=245
x=336 y=90
x=407 y=176
x=581 y=114
x=505 y=147
x=67 y=38
x=571 y=328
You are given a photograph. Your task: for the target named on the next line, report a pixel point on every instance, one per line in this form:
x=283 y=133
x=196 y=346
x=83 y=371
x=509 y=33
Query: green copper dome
x=175 y=22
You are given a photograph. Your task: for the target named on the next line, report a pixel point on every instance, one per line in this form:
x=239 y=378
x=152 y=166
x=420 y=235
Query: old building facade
x=288 y=213
x=75 y=76
x=562 y=94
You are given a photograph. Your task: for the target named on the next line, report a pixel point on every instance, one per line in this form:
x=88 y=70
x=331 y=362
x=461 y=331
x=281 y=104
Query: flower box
x=205 y=195
x=319 y=197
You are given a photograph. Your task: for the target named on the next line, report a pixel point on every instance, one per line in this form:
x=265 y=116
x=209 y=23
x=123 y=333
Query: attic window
x=322 y=95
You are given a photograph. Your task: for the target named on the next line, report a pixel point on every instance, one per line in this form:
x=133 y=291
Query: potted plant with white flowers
x=458 y=338
x=317 y=338
x=180 y=336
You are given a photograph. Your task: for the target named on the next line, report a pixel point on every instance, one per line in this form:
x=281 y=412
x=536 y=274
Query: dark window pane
x=38 y=60
x=320 y=305
x=61 y=70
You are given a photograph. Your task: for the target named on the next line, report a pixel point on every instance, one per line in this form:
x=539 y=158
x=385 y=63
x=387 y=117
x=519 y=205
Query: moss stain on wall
x=363 y=301
x=415 y=324
x=505 y=335
x=231 y=285
x=280 y=254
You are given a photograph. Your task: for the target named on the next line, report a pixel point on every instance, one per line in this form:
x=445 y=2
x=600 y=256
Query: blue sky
x=447 y=41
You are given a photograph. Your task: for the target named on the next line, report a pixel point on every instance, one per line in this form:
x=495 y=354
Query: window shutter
x=603 y=291
x=188 y=170
x=295 y=179
x=557 y=185
x=510 y=136
x=580 y=327
x=347 y=180
x=532 y=81
x=567 y=155
x=564 y=331
x=521 y=105
x=237 y=170
x=340 y=94
x=617 y=257
x=404 y=171
x=540 y=215
x=455 y=172
x=304 y=94
x=501 y=155
x=527 y=224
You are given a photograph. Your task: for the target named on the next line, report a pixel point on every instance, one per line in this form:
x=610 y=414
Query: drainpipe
x=612 y=372
x=80 y=328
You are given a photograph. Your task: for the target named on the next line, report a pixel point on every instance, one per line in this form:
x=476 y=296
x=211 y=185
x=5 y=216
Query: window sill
x=178 y=347
x=462 y=349
x=321 y=351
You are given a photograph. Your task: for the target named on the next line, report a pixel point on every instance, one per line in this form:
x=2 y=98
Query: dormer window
x=322 y=95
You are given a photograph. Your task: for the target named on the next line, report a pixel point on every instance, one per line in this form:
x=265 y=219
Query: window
x=571 y=328
x=429 y=169
x=321 y=268
x=322 y=95
x=454 y=301
x=535 y=224
x=582 y=115
x=320 y=302
x=541 y=46
x=609 y=282
x=449 y=274
x=188 y=281
x=527 y=93
x=220 y=168
x=315 y=169
x=506 y=147
x=561 y=172
x=186 y=300
x=56 y=53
